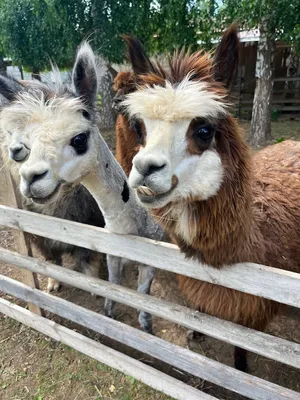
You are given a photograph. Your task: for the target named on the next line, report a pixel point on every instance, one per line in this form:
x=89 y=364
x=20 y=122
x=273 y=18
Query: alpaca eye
x=86 y=114
x=79 y=142
x=136 y=125
x=138 y=129
x=205 y=133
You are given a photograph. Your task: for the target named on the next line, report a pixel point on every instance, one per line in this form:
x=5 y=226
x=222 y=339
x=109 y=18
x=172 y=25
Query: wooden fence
x=284 y=100
x=271 y=283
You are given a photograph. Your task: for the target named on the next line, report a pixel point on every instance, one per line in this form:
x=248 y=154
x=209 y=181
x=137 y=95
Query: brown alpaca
x=128 y=133
x=196 y=174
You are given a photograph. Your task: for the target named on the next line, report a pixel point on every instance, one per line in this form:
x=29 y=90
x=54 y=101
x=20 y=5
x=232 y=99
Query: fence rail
x=260 y=280
x=108 y=356
x=278 y=285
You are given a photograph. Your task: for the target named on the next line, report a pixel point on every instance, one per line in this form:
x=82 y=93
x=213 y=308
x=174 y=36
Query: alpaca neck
x=219 y=230
x=222 y=229
x=107 y=183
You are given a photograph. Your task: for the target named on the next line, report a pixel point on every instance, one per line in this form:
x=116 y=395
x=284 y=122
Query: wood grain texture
x=260 y=280
x=22 y=242
x=193 y=363
x=104 y=354
x=261 y=343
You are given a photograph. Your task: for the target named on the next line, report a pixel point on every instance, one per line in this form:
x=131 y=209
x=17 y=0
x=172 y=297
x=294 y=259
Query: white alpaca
x=66 y=147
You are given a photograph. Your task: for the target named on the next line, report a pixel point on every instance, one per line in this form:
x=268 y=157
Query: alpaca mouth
x=147 y=195
x=47 y=199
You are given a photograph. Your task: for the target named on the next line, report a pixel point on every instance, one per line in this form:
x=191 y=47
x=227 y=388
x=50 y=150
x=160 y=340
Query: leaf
x=112 y=389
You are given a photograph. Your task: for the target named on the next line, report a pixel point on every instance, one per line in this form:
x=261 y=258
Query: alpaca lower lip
x=44 y=200
x=151 y=198
x=147 y=195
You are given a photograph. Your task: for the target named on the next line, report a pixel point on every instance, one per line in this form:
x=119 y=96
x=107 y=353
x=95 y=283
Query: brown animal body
x=262 y=226
x=254 y=213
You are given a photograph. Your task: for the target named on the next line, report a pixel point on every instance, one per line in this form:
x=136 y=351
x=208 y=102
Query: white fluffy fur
x=188 y=100
x=198 y=176
x=29 y=108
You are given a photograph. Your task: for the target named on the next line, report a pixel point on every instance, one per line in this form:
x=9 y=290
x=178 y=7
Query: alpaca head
x=57 y=124
x=123 y=85
x=16 y=144
x=184 y=113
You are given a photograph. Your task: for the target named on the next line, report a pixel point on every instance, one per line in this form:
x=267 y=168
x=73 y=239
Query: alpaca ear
x=140 y=62
x=226 y=58
x=84 y=75
x=10 y=88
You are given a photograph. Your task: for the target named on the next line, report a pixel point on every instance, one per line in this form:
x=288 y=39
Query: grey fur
x=74 y=204
x=106 y=181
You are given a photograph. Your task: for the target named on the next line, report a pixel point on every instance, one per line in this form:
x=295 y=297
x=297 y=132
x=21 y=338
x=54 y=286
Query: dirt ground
x=37 y=368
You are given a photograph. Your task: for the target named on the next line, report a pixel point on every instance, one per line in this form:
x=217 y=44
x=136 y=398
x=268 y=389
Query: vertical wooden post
x=22 y=242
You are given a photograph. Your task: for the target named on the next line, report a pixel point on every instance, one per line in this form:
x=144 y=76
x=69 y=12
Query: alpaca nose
x=37 y=176
x=148 y=166
x=117 y=103
x=16 y=153
x=33 y=175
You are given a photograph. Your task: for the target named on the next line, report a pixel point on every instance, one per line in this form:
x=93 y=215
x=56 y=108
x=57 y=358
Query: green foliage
x=174 y=25
x=33 y=32
x=113 y=18
x=161 y=25
x=282 y=16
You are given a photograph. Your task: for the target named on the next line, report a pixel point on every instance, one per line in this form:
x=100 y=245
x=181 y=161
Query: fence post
x=13 y=198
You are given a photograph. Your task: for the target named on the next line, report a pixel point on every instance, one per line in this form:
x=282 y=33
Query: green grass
x=33 y=367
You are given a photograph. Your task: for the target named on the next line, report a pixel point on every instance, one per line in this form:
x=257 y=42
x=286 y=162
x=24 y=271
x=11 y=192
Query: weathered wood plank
x=287 y=79
x=260 y=280
x=22 y=242
x=176 y=356
x=258 y=342
x=104 y=354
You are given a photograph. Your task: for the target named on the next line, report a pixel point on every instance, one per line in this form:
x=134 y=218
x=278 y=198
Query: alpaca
x=129 y=136
x=73 y=203
x=128 y=140
x=66 y=147
x=196 y=174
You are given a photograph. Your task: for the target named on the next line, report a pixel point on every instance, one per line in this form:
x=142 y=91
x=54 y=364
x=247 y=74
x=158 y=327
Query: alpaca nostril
x=37 y=177
x=16 y=150
x=151 y=169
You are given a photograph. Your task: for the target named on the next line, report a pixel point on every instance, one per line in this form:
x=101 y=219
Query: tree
x=36 y=31
x=161 y=25
x=111 y=19
x=276 y=20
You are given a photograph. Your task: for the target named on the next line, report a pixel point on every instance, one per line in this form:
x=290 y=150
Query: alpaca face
x=59 y=125
x=184 y=112
x=57 y=158
x=17 y=145
x=180 y=159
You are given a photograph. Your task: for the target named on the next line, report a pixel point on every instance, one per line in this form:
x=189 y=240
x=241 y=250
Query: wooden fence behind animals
x=284 y=100
x=260 y=280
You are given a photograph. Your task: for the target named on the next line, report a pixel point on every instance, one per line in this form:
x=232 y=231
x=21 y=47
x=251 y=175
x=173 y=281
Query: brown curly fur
x=127 y=142
x=255 y=217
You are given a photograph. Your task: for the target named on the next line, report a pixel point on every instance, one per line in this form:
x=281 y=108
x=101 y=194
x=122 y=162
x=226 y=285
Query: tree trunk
x=3 y=66
x=107 y=113
x=36 y=74
x=260 y=130
x=21 y=72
